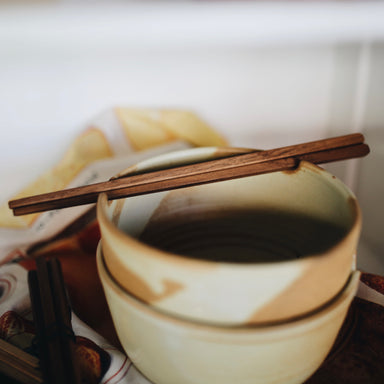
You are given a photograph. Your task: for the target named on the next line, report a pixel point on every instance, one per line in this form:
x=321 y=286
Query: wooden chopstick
x=51 y=313
x=19 y=365
x=63 y=318
x=248 y=164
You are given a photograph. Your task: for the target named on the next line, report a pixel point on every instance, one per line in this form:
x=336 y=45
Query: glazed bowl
x=172 y=350
x=285 y=283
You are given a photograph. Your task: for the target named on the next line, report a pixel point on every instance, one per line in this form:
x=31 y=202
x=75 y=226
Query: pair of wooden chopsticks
x=247 y=164
x=19 y=365
x=52 y=317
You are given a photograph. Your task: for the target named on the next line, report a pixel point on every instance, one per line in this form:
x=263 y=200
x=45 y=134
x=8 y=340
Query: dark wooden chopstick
x=55 y=338
x=19 y=365
x=248 y=164
x=63 y=309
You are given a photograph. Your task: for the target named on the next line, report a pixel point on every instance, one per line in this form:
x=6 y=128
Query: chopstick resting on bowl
x=235 y=166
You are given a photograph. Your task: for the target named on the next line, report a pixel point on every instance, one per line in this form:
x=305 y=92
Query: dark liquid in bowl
x=242 y=237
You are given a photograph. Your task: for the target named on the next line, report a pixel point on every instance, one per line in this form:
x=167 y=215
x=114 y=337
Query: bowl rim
x=320 y=314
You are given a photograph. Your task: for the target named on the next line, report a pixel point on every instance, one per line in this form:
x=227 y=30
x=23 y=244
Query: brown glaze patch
x=134 y=284
x=133 y=169
x=354 y=208
x=316 y=273
x=117 y=211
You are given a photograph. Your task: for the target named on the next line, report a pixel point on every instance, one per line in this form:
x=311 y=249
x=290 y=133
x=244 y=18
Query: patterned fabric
x=93 y=361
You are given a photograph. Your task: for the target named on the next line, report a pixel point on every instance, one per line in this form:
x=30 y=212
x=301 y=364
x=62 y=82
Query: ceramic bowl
x=280 y=286
x=171 y=350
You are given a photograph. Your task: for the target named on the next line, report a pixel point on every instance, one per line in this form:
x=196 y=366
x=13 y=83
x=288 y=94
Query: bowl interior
x=294 y=214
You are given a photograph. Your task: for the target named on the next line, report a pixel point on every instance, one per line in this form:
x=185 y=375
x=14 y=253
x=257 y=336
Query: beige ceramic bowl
x=169 y=350
x=227 y=292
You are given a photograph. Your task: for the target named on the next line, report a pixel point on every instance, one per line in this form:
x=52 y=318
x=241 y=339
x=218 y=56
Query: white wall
x=264 y=75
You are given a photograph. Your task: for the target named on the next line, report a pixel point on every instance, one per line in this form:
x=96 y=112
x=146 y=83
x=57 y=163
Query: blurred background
x=264 y=74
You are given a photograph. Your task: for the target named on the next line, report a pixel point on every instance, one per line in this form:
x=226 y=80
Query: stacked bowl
x=245 y=281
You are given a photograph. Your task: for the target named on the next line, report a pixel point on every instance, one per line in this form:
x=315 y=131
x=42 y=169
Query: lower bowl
x=172 y=350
